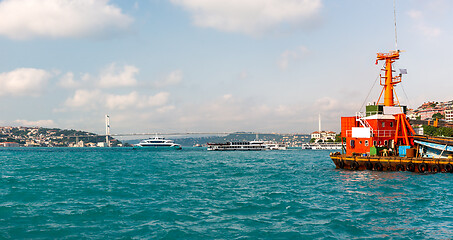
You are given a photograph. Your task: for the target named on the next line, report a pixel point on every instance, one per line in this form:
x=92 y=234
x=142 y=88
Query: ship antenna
x=394 y=19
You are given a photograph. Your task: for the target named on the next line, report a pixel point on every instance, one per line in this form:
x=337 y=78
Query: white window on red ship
x=383 y=124
x=366 y=143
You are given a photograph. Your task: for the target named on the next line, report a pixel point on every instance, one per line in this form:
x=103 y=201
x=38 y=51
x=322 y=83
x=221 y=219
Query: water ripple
x=195 y=194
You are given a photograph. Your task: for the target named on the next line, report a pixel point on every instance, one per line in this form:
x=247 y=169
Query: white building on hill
x=323 y=136
x=449 y=115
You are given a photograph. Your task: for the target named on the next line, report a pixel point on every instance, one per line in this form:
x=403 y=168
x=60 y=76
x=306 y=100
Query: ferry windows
x=352 y=143
x=385 y=142
x=391 y=124
x=383 y=124
x=374 y=143
x=366 y=143
x=360 y=142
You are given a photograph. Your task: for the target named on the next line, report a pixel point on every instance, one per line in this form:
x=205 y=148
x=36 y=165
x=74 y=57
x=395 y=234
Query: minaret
x=319 y=124
x=107 y=130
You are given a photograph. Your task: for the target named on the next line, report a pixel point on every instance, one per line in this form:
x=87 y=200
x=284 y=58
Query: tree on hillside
x=338 y=138
x=429 y=130
x=437 y=115
x=434 y=131
x=444 y=131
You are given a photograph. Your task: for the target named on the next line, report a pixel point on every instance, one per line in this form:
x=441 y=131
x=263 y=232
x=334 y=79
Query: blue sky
x=213 y=65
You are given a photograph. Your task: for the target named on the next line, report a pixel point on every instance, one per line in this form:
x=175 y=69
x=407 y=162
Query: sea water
x=120 y=193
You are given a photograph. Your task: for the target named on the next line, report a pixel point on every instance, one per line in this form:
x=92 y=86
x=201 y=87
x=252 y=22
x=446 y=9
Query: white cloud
x=67 y=81
x=251 y=16
x=243 y=75
x=110 y=77
x=326 y=104
x=158 y=99
x=227 y=97
x=122 y=101
x=95 y=99
x=226 y=113
x=289 y=56
x=23 y=81
x=135 y=100
x=114 y=77
x=173 y=78
x=25 y=19
x=165 y=109
x=40 y=123
x=414 y=14
x=84 y=99
x=429 y=31
x=422 y=27
x=234 y=113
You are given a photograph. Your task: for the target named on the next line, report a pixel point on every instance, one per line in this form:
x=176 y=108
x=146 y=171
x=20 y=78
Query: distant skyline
x=213 y=66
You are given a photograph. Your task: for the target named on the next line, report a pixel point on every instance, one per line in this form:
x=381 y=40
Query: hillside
x=289 y=139
x=51 y=137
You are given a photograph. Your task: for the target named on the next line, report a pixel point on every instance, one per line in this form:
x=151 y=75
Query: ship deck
x=392 y=163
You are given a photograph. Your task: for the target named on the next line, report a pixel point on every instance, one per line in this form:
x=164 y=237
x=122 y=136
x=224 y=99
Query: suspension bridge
x=109 y=135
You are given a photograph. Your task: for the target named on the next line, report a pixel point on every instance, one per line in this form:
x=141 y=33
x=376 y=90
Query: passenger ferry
x=238 y=146
x=322 y=146
x=276 y=146
x=158 y=143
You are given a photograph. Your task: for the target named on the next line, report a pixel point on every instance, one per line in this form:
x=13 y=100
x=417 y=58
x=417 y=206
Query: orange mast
x=403 y=131
x=390 y=81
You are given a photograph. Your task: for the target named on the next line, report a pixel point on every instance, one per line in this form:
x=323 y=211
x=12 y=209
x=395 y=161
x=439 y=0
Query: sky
x=214 y=65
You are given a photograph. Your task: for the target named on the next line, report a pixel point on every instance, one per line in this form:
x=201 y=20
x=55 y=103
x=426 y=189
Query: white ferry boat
x=158 y=142
x=276 y=146
x=238 y=146
x=322 y=146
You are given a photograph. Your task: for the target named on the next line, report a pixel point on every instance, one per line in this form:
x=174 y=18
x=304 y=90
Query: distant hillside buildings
x=428 y=109
x=45 y=137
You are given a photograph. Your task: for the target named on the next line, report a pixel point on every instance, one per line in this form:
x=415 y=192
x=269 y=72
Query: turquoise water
x=195 y=194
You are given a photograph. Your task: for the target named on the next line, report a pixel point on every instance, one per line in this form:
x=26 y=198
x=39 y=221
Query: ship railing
x=391 y=54
x=376 y=133
x=370 y=113
x=360 y=118
x=384 y=133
